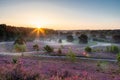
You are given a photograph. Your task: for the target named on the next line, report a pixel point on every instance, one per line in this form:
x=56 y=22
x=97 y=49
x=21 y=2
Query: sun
x=38 y=29
x=37 y=25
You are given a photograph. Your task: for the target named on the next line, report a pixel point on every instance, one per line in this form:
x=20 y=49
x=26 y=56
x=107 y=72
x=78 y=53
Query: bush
x=62 y=46
x=116 y=38
x=71 y=56
x=48 y=48
x=20 y=47
x=60 y=41
x=59 y=51
x=14 y=60
x=36 y=47
x=118 y=60
x=20 y=44
x=102 y=65
x=20 y=40
x=83 y=38
x=113 y=49
x=88 y=49
x=70 y=38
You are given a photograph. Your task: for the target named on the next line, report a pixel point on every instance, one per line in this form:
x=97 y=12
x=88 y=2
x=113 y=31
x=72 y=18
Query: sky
x=61 y=14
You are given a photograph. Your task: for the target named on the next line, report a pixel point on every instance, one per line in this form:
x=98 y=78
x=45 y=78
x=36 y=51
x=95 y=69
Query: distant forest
x=10 y=33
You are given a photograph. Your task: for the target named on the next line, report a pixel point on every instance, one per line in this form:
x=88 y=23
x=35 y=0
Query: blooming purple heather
x=31 y=68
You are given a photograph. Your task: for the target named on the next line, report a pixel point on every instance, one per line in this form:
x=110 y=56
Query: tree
x=3 y=31
x=102 y=36
x=88 y=49
x=20 y=40
x=36 y=47
x=83 y=38
x=70 y=38
x=116 y=38
x=20 y=45
x=71 y=56
x=48 y=49
x=60 y=41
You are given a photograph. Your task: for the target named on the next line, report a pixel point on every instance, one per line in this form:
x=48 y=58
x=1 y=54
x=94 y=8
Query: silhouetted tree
x=60 y=41
x=83 y=38
x=70 y=38
x=20 y=40
x=102 y=36
x=3 y=31
x=116 y=38
x=8 y=32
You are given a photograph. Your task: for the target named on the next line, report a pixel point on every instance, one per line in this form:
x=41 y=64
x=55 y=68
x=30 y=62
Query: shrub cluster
x=83 y=38
x=88 y=49
x=70 y=38
x=36 y=47
x=118 y=60
x=71 y=56
x=20 y=40
x=20 y=47
x=59 y=51
x=102 y=65
x=113 y=49
x=14 y=60
x=47 y=48
x=60 y=41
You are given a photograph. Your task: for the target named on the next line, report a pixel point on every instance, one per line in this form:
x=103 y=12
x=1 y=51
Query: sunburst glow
x=39 y=31
x=37 y=24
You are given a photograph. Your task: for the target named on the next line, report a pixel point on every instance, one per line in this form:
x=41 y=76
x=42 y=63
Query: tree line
x=10 y=33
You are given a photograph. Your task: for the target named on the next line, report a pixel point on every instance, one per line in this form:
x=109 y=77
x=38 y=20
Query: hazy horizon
x=61 y=14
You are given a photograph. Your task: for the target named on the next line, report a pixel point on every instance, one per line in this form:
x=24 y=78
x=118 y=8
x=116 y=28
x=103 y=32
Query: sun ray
x=42 y=31
x=38 y=32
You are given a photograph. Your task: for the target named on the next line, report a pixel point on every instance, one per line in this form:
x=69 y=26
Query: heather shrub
x=47 y=48
x=113 y=49
x=14 y=60
x=118 y=60
x=17 y=72
x=62 y=46
x=108 y=48
x=102 y=65
x=71 y=56
x=59 y=51
x=36 y=47
x=88 y=49
x=97 y=50
x=118 y=57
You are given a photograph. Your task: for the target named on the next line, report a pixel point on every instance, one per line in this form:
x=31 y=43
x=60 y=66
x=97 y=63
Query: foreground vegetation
x=19 y=68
